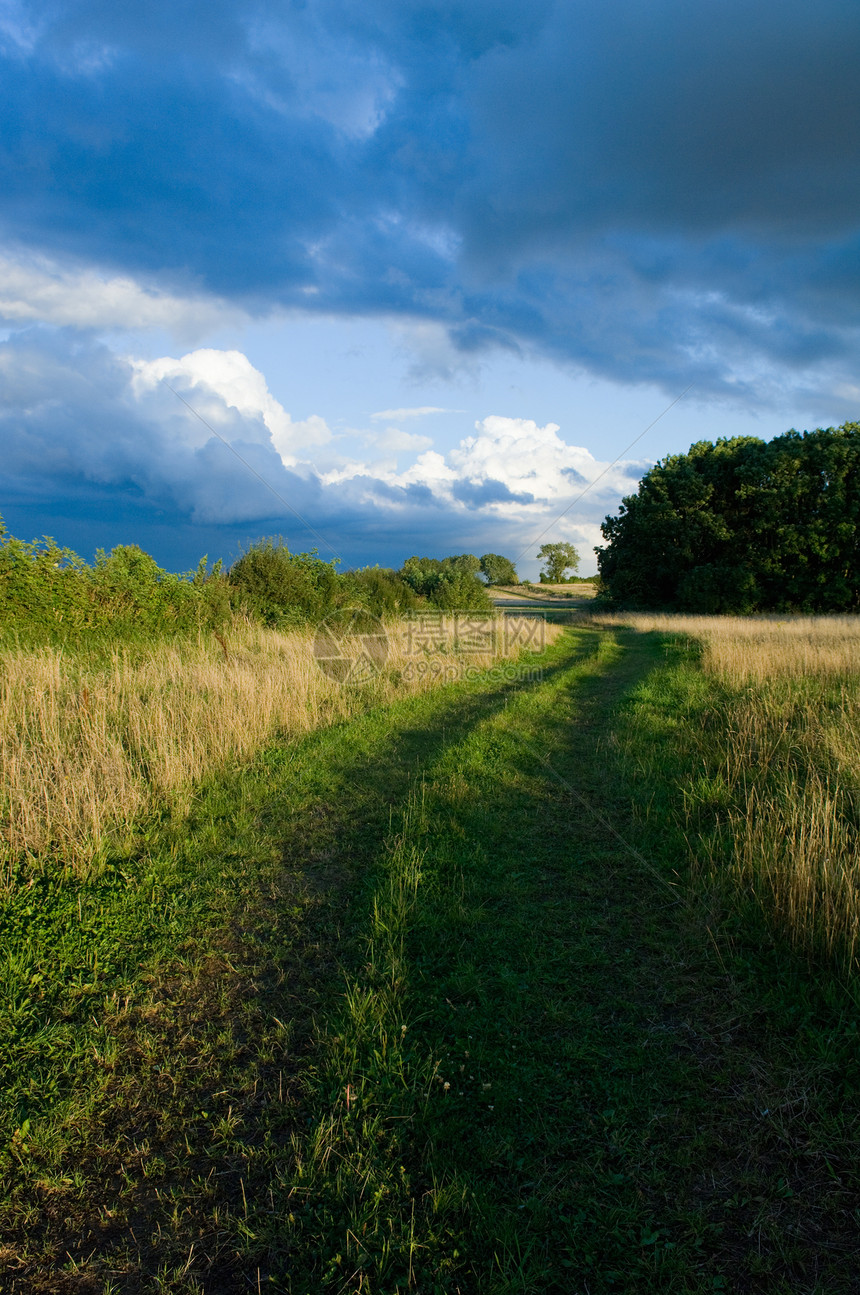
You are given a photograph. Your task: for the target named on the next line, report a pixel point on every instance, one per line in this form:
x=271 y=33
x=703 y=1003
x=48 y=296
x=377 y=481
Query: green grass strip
x=413 y=1016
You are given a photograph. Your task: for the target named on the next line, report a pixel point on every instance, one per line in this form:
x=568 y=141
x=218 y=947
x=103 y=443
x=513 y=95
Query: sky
x=411 y=276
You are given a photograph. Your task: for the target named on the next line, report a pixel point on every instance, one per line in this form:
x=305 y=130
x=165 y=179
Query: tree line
x=742 y=525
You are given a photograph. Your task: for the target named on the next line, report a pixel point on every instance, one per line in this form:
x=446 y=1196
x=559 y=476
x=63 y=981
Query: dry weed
x=85 y=752
x=785 y=738
x=762 y=648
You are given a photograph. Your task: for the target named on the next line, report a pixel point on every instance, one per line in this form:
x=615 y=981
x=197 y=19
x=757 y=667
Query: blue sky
x=429 y=268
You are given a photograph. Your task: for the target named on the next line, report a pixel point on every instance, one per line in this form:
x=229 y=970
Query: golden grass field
x=764 y=648
x=779 y=762
x=86 y=752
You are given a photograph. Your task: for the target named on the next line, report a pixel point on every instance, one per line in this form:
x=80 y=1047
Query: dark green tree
x=742 y=525
x=558 y=559
x=498 y=570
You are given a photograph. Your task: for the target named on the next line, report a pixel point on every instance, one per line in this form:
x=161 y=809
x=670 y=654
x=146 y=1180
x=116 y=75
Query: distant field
x=546 y=593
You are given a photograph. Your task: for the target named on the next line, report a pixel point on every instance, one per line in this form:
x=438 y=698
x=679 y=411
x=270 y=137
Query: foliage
x=49 y=593
x=558 y=559
x=449 y=583
x=743 y=525
x=498 y=570
x=382 y=590
x=282 y=588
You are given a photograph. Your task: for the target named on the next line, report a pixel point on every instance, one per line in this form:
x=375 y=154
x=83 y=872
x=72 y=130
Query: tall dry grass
x=782 y=753
x=86 y=751
x=763 y=648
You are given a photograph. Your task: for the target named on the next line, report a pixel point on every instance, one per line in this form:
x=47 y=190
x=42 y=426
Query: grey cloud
x=653 y=191
x=476 y=494
x=93 y=459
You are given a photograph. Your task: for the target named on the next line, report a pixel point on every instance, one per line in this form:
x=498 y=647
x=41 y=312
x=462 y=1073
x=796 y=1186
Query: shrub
x=448 y=583
x=48 y=593
x=381 y=590
x=282 y=588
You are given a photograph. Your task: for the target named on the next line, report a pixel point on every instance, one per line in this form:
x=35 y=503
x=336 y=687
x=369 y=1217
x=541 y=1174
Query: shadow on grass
x=177 y=1098
x=457 y=1048
x=596 y=1090
x=600 y=1088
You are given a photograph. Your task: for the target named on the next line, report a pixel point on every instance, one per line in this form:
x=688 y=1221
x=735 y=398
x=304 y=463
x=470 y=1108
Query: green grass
x=427 y=1002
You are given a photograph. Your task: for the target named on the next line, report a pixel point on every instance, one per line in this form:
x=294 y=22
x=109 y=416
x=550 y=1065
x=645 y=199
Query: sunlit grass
x=765 y=648
x=606 y=1081
x=778 y=763
x=88 y=747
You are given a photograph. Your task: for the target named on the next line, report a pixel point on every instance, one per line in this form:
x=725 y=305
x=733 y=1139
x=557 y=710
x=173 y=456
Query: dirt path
x=553 y=598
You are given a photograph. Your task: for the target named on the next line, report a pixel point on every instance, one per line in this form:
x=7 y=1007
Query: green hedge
x=50 y=594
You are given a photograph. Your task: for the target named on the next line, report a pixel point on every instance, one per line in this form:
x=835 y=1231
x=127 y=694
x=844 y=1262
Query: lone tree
x=557 y=559
x=743 y=525
x=498 y=570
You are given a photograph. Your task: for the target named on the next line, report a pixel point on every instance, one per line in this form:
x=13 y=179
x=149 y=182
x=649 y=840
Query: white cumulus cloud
x=217 y=381
x=533 y=460
x=76 y=418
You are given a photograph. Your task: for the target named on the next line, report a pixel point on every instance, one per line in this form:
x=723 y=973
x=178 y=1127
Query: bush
x=48 y=593
x=381 y=590
x=281 y=588
x=448 y=583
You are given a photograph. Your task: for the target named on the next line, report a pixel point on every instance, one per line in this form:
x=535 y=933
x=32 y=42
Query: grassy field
x=94 y=742
x=514 y=984
x=549 y=594
x=772 y=788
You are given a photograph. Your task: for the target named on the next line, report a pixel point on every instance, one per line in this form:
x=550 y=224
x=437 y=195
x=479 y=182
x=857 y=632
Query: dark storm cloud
x=656 y=191
x=71 y=427
x=717 y=116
